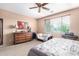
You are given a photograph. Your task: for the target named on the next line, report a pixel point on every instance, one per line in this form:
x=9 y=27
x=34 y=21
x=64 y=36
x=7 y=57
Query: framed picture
x=21 y=25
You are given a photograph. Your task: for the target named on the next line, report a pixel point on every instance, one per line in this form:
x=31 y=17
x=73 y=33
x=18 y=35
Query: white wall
x=10 y=18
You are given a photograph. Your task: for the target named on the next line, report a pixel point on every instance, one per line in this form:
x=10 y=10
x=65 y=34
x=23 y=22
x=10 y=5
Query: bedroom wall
x=10 y=18
x=74 y=21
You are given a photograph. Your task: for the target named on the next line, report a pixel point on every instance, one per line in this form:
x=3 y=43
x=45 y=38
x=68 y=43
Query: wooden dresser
x=20 y=37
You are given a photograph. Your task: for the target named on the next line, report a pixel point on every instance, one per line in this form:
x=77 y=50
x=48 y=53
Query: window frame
x=61 y=18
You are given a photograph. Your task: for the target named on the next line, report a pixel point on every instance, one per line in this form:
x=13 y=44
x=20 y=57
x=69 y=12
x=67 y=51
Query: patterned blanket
x=56 y=47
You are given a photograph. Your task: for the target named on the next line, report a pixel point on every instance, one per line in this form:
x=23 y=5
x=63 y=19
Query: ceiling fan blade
x=38 y=4
x=32 y=7
x=44 y=4
x=45 y=8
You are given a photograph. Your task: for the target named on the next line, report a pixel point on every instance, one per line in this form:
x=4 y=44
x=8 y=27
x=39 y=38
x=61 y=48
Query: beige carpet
x=19 y=49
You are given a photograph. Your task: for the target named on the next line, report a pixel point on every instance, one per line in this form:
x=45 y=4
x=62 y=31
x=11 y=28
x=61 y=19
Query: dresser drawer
x=28 y=37
x=20 y=34
x=20 y=41
x=21 y=38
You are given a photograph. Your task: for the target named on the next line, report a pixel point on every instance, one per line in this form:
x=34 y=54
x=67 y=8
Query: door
x=1 y=31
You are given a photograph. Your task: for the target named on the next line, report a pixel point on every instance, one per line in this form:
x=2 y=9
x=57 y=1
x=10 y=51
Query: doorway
x=1 y=31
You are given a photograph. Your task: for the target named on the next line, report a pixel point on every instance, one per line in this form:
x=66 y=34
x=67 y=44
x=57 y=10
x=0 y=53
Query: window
x=60 y=24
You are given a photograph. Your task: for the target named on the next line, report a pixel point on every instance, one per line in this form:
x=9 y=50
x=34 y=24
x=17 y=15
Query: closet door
x=1 y=31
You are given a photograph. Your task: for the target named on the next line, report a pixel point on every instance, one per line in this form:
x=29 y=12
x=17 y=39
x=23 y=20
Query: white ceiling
x=23 y=8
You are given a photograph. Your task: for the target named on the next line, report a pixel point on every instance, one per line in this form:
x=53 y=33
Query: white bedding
x=58 y=47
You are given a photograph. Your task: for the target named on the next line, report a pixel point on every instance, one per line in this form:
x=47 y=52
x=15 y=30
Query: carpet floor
x=18 y=49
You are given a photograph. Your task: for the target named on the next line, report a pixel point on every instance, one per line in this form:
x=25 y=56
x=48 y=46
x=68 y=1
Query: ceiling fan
x=40 y=6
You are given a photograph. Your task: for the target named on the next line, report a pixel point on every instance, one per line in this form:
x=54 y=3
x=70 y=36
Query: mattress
x=56 y=47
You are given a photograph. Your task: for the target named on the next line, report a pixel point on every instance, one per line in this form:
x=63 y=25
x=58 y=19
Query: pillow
x=43 y=37
x=39 y=36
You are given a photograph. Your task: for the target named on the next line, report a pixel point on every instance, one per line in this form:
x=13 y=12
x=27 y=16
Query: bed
x=56 y=47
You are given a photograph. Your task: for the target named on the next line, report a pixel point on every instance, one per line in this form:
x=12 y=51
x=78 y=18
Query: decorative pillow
x=39 y=36
x=43 y=37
